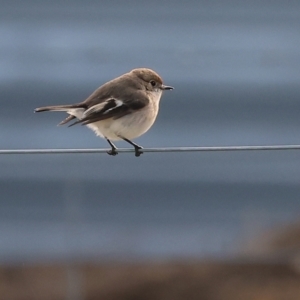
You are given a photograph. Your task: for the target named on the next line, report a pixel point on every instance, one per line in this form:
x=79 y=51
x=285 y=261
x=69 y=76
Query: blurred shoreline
x=250 y=275
x=175 y=280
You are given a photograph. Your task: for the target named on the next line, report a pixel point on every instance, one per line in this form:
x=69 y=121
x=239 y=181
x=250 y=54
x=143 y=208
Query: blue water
x=235 y=68
x=75 y=219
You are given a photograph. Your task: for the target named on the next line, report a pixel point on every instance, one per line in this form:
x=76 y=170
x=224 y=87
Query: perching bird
x=121 y=109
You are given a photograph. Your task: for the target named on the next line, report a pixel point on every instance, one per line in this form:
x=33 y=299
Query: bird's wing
x=112 y=108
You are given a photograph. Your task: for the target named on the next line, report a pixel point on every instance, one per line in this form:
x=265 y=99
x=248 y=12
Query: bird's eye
x=153 y=83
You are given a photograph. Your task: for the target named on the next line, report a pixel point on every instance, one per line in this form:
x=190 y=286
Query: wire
x=169 y=149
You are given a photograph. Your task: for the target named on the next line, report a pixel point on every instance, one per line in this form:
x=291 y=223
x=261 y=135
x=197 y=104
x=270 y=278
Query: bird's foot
x=138 y=151
x=112 y=152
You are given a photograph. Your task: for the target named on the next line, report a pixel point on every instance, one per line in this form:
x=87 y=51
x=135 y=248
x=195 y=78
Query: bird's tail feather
x=59 y=107
x=66 y=120
x=74 y=111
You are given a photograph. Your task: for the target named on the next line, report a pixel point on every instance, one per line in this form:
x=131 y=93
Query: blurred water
x=125 y=220
x=194 y=41
x=235 y=68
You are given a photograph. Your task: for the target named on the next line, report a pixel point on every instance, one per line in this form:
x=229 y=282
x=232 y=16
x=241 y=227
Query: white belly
x=130 y=126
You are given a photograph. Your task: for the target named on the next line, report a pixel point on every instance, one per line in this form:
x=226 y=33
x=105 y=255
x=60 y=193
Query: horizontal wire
x=168 y=149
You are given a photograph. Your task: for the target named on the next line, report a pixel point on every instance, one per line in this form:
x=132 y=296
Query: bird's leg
x=113 y=150
x=137 y=148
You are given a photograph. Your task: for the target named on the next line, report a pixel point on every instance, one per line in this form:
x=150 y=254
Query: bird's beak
x=166 y=87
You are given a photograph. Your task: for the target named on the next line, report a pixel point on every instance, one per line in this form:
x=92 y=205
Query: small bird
x=121 y=109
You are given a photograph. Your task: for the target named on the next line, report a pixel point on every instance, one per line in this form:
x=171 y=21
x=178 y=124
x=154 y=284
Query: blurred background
x=235 y=66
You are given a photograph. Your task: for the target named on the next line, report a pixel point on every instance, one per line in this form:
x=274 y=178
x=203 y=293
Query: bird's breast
x=129 y=126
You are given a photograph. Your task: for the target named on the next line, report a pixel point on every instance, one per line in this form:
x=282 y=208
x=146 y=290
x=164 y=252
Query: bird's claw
x=138 y=151
x=112 y=152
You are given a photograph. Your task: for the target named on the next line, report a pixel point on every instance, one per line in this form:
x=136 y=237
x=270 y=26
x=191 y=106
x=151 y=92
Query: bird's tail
x=74 y=111
x=60 y=107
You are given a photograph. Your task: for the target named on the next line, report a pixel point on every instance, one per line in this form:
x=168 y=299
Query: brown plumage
x=123 y=108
